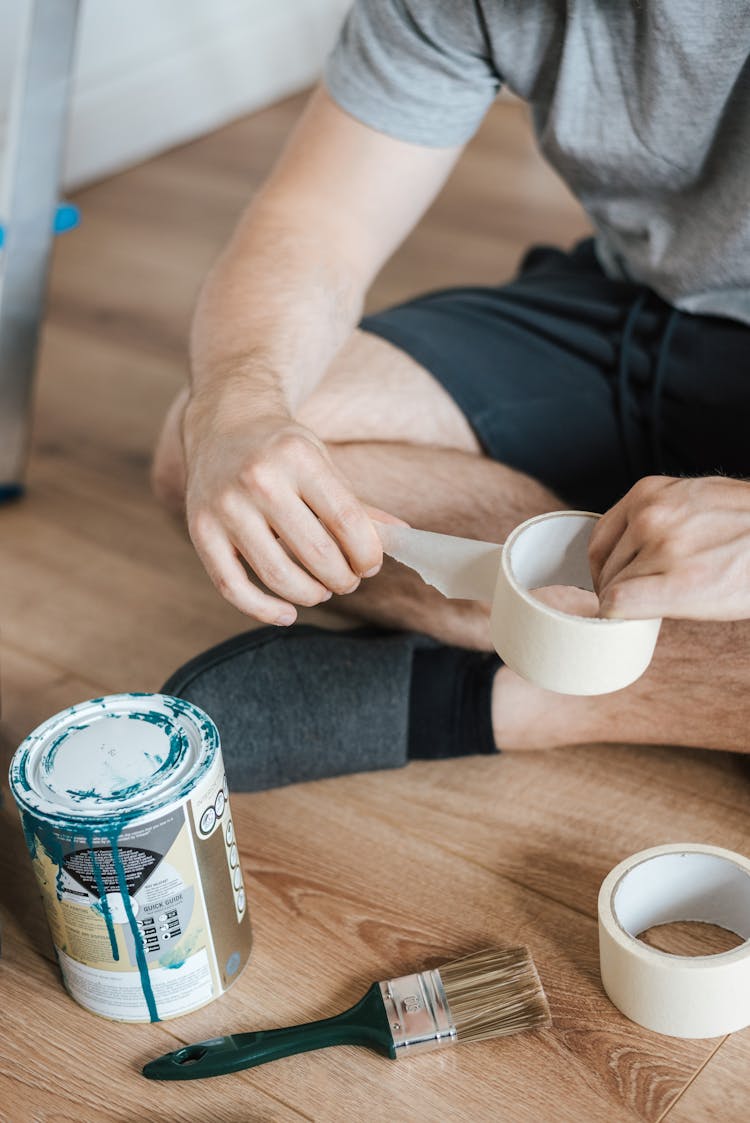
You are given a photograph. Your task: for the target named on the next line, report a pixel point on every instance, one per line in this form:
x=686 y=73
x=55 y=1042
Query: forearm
x=261 y=490
x=274 y=310
x=290 y=285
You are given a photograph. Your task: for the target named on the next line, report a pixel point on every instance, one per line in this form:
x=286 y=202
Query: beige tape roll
x=696 y=996
x=561 y=652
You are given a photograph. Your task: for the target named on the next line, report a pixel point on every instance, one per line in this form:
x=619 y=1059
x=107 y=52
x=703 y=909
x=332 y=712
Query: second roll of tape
x=682 y=996
x=561 y=652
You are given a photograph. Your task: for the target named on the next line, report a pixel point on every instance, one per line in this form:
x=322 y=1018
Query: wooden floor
x=349 y=880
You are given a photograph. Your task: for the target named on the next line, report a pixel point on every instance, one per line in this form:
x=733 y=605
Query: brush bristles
x=494 y=992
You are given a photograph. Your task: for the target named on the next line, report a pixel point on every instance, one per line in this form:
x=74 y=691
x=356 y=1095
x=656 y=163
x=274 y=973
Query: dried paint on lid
x=113 y=758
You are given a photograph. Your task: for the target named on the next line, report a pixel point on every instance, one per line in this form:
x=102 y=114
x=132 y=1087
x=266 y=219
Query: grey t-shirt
x=642 y=106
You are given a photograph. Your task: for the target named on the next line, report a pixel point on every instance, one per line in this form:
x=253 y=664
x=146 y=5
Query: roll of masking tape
x=696 y=996
x=556 y=650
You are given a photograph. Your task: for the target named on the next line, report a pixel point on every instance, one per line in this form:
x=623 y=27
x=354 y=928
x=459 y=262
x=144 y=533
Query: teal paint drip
x=106 y=910
x=29 y=834
x=140 y=954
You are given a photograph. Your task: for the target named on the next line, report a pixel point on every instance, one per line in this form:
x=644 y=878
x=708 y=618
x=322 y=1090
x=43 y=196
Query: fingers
x=281 y=507
x=629 y=562
x=279 y=572
x=303 y=541
x=347 y=521
x=310 y=542
x=379 y=516
x=605 y=536
x=637 y=598
x=624 y=551
x=568 y=599
x=228 y=575
x=298 y=487
x=677 y=548
x=612 y=526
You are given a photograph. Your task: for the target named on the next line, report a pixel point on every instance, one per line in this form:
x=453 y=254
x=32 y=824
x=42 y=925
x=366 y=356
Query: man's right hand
x=261 y=491
x=264 y=492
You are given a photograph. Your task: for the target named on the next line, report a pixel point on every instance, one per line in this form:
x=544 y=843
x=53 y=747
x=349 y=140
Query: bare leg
x=375 y=392
x=371 y=389
x=696 y=691
x=431 y=473
x=443 y=490
x=416 y=456
x=429 y=470
x=168 y=466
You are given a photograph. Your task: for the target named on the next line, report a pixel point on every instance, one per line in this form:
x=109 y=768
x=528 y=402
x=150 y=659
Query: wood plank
x=326 y=887
x=551 y=806
x=328 y=921
x=719 y=1090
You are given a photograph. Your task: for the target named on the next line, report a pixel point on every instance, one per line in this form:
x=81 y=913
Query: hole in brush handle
x=187 y=1063
x=190 y=1055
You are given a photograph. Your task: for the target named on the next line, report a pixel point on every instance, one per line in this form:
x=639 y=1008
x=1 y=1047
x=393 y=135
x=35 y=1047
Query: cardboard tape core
x=556 y=650
x=683 y=886
x=682 y=996
x=551 y=550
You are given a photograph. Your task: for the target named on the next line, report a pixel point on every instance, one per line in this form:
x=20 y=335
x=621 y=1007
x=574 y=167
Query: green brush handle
x=366 y=1023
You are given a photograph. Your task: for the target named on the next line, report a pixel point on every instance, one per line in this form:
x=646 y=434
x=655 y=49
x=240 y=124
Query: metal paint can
x=125 y=809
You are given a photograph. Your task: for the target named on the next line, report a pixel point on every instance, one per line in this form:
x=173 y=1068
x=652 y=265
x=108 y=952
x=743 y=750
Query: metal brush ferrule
x=418 y=1013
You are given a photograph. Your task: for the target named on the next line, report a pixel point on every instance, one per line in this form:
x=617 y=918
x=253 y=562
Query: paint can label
x=148 y=917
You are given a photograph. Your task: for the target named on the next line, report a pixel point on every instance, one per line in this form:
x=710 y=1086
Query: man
x=615 y=377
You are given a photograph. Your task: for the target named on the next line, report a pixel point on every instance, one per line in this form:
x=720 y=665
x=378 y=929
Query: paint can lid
x=113 y=757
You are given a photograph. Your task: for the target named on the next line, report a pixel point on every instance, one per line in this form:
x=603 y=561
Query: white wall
x=153 y=73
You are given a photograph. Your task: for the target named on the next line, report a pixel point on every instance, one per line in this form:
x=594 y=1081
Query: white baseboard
x=237 y=66
x=149 y=76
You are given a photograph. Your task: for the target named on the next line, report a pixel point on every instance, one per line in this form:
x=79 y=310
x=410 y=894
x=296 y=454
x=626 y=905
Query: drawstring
x=628 y=419
x=657 y=388
x=629 y=441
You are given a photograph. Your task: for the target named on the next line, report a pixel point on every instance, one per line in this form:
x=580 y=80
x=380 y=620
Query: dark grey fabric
x=450 y=703
x=583 y=382
x=302 y=703
x=642 y=106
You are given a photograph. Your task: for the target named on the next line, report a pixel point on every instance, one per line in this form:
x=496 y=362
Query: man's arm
x=280 y=301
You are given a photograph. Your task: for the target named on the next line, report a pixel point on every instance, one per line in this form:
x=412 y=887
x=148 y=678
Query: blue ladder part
x=9 y=492
x=67 y=218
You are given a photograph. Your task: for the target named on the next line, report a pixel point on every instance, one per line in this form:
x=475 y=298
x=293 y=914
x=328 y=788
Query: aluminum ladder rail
x=36 y=138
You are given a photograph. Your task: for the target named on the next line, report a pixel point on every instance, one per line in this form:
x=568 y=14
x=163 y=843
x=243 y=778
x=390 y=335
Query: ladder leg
x=38 y=119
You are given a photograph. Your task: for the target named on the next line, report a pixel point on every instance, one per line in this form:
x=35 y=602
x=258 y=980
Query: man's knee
x=337 y=408
x=168 y=464
x=374 y=391
x=165 y=487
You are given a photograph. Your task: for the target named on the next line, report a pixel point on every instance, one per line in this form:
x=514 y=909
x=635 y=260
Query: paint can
x=125 y=809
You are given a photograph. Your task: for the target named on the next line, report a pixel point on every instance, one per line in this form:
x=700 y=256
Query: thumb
x=379 y=516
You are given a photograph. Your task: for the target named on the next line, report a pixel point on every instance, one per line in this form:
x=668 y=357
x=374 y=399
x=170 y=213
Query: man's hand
x=265 y=492
x=675 y=547
x=279 y=303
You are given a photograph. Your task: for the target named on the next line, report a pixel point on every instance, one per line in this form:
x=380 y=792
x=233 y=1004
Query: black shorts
x=583 y=382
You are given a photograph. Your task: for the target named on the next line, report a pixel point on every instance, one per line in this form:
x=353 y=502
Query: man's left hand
x=675 y=547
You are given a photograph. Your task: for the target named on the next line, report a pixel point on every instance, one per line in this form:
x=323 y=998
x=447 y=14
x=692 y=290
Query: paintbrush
x=488 y=994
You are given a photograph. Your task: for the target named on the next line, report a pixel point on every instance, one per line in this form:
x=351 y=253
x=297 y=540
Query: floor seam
x=695 y=1075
